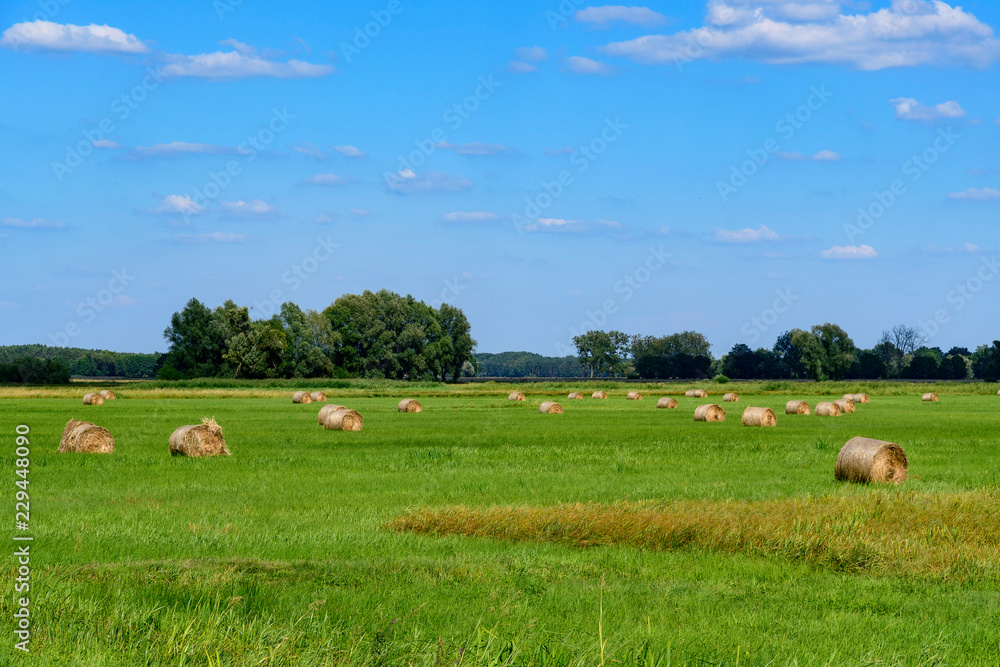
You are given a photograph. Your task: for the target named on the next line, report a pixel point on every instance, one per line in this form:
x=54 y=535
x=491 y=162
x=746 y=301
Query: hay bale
x=667 y=403
x=86 y=438
x=827 y=410
x=204 y=439
x=343 y=419
x=550 y=408
x=633 y=396
x=796 y=408
x=599 y=394
x=93 y=399
x=696 y=393
x=866 y=460
x=318 y=397
x=930 y=398
x=410 y=405
x=575 y=396
x=709 y=413
x=731 y=397
x=759 y=417
x=108 y=395
x=302 y=397
x=846 y=405
x=327 y=409
x=859 y=398
x=515 y=396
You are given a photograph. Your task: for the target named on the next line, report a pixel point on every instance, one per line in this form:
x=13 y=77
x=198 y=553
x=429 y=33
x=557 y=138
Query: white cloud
x=849 y=252
x=325 y=219
x=973 y=194
x=49 y=36
x=255 y=208
x=178 y=204
x=235 y=65
x=213 y=237
x=821 y=156
x=239 y=46
x=106 y=143
x=349 y=151
x=965 y=248
x=475 y=148
x=470 y=216
x=604 y=16
x=184 y=148
x=761 y=235
x=311 y=150
x=34 y=223
x=521 y=68
x=406 y=182
x=581 y=65
x=531 y=54
x=787 y=32
x=326 y=179
x=359 y=212
x=908 y=108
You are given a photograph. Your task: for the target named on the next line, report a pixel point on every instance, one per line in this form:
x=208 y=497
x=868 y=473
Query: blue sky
x=545 y=167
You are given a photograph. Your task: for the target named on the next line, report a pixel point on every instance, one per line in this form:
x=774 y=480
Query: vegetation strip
x=953 y=536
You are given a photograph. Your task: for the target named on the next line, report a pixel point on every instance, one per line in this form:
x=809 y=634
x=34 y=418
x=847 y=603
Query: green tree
x=197 y=342
x=602 y=351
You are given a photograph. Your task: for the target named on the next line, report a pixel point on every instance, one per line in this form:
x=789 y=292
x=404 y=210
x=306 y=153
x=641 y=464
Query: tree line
x=370 y=335
x=90 y=363
x=824 y=352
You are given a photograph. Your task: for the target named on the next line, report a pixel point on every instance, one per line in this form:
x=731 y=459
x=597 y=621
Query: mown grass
x=278 y=555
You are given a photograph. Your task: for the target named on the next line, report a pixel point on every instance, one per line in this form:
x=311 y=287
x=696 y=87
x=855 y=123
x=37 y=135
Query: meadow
x=480 y=532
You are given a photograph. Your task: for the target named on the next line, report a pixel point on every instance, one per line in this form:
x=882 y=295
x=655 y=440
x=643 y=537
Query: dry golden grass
x=942 y=536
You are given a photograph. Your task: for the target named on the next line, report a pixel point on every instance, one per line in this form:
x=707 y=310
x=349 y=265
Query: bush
x=720 y=379
x=30 y=370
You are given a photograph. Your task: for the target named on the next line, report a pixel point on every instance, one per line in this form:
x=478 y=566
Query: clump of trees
x=527 y=364
x=87 y=362
x=371 y=335
x=32 y=370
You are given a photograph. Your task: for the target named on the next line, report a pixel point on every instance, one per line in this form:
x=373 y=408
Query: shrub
x=720 y=379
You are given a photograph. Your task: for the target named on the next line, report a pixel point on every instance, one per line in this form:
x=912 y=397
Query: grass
x=279 y=554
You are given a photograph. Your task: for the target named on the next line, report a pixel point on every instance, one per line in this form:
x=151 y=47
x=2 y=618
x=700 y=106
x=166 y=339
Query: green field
x=285 y=552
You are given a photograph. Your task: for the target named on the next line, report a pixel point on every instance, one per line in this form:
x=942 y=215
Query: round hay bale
x=667 y=403
x=204 y=439
x=575 y=396
x=930 y=398
x=515 y=396
x=318 y=397
x=86 y=438
x=731 y=397
x=827 y=410
x=866 y=460
x=550 y=408
x=108 y=395
x=93 y=399
x=410 y=405
x=846 y=405
x=796 y=408
x=759 y=417
x=859 y=398
x=327 y=409
x=709 y=413
x=302 y=397
x=599 y=394
x=696 y=393
x=633 y=396
x=343 y=419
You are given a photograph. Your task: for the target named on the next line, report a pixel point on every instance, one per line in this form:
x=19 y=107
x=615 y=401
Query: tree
x=602 y=351
x=838 y=347
x=457 y=342
x=954 y=367
x=811 y=353
x=788 y=357
x=899 y=341
x=197 y=341
x=869 y=366
x=685 y=354
x=991 y=363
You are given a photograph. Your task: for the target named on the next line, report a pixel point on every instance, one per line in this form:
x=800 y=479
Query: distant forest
x=88 y=363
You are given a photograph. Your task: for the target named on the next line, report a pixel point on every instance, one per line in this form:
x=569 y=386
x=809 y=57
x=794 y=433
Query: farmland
x=319 y=547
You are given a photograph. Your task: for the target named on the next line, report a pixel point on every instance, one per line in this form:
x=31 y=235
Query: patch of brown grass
x=943 y=536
